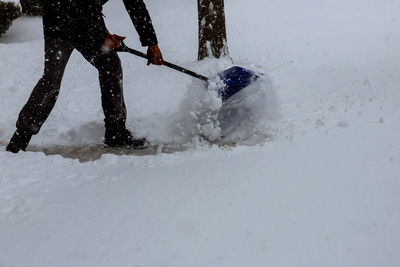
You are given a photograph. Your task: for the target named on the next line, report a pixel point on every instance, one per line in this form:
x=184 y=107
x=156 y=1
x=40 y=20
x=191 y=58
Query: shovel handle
x=123 y=48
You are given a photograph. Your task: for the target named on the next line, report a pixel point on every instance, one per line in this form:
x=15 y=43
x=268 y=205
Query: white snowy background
x=323 y=189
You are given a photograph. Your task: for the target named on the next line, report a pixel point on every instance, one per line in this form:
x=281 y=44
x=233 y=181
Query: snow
x=314 y=180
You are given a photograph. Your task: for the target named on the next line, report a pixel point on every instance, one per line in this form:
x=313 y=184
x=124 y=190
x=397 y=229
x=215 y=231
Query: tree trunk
x=212 y=30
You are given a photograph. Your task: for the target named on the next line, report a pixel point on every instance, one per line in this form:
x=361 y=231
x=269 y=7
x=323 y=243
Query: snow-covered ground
x=315 y=183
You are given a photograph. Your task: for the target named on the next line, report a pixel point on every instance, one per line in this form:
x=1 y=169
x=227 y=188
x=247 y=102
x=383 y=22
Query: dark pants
x=44 y=95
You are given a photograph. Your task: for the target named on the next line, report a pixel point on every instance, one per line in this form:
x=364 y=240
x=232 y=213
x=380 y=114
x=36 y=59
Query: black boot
x=19 y=141
x=117 y=135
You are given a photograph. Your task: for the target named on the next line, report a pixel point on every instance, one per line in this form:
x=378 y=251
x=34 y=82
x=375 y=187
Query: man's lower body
x=45 y=93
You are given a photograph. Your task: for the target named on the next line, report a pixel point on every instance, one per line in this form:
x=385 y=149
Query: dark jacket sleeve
x=141 y=20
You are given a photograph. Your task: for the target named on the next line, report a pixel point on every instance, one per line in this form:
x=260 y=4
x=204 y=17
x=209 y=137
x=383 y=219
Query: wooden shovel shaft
x=124 y=48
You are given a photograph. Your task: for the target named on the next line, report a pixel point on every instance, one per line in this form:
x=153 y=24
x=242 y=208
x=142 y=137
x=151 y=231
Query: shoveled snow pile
x=200 y=117
x=313 y=179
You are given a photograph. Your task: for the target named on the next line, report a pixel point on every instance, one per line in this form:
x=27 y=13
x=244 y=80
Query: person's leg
x=110 y=75
x=43 y=96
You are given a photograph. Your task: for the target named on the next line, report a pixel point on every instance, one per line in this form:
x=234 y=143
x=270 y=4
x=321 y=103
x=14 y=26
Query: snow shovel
x=233 y=79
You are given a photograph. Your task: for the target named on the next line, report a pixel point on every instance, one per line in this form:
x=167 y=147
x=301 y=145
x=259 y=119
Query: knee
x=48 y=84
x=51 y=78
x=110 y=64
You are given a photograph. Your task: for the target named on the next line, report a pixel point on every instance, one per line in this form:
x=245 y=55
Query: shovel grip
x=123 y=48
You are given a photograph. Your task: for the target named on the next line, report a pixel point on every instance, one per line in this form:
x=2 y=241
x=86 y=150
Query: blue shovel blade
x=235 y=79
